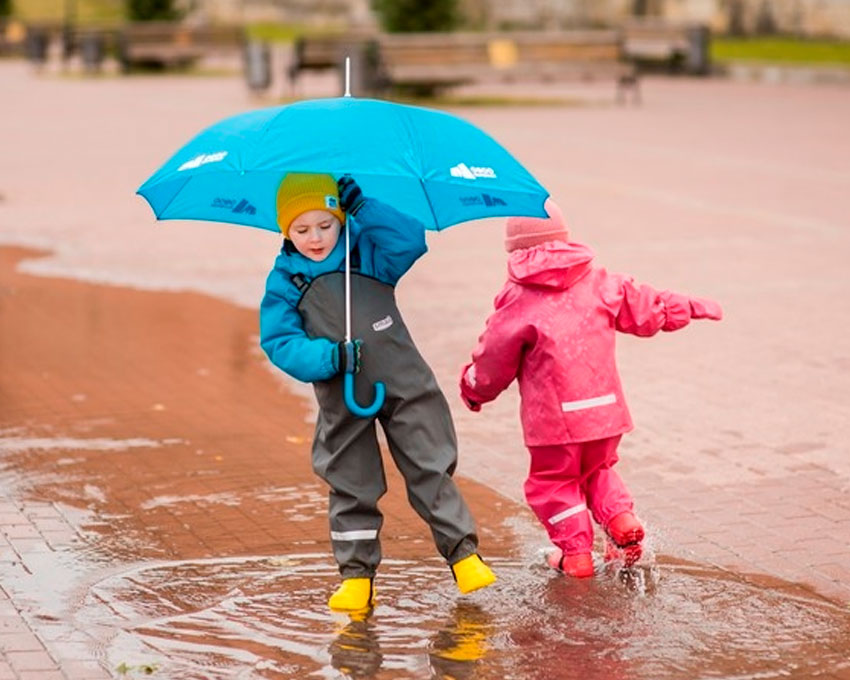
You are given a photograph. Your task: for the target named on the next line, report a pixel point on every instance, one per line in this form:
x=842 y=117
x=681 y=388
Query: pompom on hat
x=525 y=232
x=300 y=192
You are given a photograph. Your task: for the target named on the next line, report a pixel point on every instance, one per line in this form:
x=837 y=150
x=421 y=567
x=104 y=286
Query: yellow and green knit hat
x=302 y=191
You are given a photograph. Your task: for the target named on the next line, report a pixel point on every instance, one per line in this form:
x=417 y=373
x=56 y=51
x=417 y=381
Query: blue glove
x=350 y=195
x=347 y=357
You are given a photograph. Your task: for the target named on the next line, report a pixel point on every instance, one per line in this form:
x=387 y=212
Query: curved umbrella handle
x=351 y=402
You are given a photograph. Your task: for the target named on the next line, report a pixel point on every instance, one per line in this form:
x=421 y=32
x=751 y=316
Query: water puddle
x=266 y=618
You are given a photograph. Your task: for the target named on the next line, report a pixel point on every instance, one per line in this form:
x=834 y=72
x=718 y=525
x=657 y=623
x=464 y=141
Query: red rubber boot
x=626 y=533
x=577 y=566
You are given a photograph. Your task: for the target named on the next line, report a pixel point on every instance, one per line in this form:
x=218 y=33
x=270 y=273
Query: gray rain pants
x=415 y=418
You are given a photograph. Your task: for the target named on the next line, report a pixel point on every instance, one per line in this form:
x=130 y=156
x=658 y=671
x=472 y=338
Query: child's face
x=314 y=234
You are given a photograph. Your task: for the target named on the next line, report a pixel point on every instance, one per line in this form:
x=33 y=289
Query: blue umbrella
x=432 y=165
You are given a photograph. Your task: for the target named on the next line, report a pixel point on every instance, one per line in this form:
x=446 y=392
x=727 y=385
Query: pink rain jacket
x=554 y=330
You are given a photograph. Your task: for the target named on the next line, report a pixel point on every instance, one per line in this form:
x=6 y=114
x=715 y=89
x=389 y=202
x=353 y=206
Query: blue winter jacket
x=390 y=242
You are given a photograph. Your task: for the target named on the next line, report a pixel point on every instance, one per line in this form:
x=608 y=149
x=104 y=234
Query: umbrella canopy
x=429 y=164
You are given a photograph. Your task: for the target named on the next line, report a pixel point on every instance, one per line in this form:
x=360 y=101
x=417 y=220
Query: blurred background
x=273 y=40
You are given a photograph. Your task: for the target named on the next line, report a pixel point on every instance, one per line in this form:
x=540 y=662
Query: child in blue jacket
x=302 y=328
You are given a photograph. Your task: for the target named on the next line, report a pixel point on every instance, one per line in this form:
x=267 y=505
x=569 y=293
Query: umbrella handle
x=351 y=402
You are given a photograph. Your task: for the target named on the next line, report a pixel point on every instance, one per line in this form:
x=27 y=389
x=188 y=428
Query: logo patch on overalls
x=383 y=324
x=331 y=202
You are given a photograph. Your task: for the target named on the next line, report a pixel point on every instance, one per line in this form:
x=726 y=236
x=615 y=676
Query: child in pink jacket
x=554 y=330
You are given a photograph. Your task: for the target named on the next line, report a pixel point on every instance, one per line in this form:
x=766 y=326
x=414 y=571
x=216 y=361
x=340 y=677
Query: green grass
x=274 y=32
x=87 y=11
x=781 y=50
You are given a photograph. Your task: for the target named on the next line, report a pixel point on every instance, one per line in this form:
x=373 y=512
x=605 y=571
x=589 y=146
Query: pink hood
x=554 y=264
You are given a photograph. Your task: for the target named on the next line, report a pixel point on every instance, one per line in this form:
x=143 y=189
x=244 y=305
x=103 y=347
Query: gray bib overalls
x=415 y=418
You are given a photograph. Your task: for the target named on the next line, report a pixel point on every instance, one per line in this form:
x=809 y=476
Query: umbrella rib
x=430 y=206
x=174 y=195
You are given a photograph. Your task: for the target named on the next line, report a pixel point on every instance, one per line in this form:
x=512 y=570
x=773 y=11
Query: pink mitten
x=471 y=405
x=703 y=308
x=467 y=381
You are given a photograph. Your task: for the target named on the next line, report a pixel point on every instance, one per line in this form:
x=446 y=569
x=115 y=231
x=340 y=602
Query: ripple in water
x=267 y=618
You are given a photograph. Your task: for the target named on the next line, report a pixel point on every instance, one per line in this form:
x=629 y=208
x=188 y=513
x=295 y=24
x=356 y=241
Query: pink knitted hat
x=525 y=232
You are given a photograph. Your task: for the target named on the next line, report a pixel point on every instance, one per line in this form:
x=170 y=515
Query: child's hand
x=348 y=359
x=471 y=405
x=467 y=382
x=350 y=195
x=702 y=308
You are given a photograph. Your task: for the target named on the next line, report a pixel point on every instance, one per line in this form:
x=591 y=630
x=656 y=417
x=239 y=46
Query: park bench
x=166 y=44
x=438 y=60
x=428 y=62
x=676 y=47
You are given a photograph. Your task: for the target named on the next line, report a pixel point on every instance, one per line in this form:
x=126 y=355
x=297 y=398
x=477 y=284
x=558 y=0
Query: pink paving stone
x=20 y=531
x=41 y=510
x=837 y=572
x=42 y=675
x=31 y=661
x=57 y=539
x=830 y=589
x=10 y=519
x=8 y=554
x=788 y=568
x=823 y=547
x=55 y=523
x=12 y=623
x=6 y=672
x=832 y=511
x=84 y=670
x=20 y=642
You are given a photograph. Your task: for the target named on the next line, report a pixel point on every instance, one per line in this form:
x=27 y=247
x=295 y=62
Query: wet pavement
x=143 y=436
x=197 y=547
x=157 y=507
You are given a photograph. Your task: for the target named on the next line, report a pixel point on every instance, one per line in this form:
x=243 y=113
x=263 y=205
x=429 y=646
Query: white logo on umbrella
x=472 y=171
x=203 y=159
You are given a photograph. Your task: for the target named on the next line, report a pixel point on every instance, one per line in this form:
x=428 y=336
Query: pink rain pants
x=566 y=481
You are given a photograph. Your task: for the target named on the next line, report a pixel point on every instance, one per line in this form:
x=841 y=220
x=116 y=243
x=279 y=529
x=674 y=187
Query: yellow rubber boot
x=353 y=594
x=471 y=574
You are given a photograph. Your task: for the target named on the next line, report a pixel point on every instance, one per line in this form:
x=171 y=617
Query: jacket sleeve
x=498 y=356
x=398 y=239
x=641 y=310
x=283 y=339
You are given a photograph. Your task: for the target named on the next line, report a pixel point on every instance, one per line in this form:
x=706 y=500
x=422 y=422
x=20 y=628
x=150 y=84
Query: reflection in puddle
x=266 y=618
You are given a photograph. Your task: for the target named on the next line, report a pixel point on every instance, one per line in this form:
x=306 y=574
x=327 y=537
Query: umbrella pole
x=347 y=241
x=348 y=378
x=347 y=284
x=347 y=77
x=347 y=238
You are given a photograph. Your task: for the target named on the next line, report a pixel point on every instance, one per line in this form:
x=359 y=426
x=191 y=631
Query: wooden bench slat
x=447 y=59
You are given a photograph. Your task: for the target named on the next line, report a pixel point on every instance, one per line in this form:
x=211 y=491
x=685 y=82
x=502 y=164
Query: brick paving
x=159 y=434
